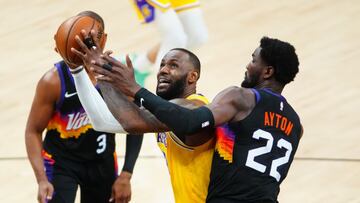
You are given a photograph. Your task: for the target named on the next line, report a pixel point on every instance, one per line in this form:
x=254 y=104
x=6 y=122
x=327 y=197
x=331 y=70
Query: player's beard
x=175 y=90
x=250 y=82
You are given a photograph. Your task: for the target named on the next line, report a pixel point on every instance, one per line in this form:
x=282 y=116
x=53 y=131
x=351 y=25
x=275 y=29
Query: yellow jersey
x=189 y=167
x=145 y=9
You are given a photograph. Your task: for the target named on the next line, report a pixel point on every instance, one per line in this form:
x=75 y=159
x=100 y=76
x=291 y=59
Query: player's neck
x=274 y=86
x=188 y=91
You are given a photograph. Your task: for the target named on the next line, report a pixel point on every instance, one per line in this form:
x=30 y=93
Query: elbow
x=135 y=127
x=98 y=127
x=130 y=128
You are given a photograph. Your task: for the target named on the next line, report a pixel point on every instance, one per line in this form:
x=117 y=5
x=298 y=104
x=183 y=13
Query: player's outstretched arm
x=98 y=112
x=228 y=104
x=135 y=119
x=99 y=115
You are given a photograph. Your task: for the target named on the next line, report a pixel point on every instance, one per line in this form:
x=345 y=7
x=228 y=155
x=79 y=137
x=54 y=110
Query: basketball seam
x=67 y=37
x=92 y=25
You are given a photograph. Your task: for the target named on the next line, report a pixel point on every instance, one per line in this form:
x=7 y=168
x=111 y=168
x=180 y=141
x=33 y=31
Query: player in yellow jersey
x=180 y=24
x=189 y=167
x=188 y=160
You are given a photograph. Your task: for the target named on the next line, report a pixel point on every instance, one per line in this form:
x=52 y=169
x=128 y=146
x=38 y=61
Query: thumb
x=112 y=196
x=49 y=193
x=108 y=52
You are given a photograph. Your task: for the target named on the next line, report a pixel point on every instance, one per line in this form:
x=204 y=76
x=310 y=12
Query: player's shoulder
x=235 y=92
x=190 y=104
x=191 y=101
x=243 y=98
x=198 y=98
x=50 y=82
x=50 y=77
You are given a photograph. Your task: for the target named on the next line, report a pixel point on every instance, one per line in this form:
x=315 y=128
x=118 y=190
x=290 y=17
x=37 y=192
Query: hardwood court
x=326 y=93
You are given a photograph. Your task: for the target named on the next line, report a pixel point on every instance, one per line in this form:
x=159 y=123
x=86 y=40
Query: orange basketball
x=65 y=36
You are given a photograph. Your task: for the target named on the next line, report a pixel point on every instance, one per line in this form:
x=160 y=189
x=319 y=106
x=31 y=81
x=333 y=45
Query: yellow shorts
x=145 y=9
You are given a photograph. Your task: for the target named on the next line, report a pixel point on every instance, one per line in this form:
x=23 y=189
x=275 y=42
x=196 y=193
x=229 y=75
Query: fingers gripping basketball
x=65 y=36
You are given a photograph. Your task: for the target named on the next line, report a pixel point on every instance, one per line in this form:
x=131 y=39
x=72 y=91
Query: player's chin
x=161 y=91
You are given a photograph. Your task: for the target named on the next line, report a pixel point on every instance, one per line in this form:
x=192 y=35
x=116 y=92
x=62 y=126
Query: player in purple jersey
x=72 y=153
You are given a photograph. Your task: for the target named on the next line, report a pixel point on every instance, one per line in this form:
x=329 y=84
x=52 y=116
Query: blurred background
x=326 y=92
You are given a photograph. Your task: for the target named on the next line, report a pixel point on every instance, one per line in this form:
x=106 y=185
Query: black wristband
x=180 y=120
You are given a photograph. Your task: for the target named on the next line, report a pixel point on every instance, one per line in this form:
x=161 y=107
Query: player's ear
x=193 y=76
x=269 y=72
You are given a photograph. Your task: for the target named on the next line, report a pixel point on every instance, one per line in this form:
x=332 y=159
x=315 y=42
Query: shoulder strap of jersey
x=68 y=79
x=198 y=97
x=268 y=93
x=59 y=67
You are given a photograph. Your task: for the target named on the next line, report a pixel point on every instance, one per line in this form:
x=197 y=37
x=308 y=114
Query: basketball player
x=72 y=152
x=180 y=24
x=188 y=160
x=257 y=131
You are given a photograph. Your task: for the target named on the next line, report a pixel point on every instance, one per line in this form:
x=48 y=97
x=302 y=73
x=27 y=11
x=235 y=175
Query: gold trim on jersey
x=177 y=141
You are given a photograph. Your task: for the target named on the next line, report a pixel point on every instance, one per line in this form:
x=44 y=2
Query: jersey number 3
x=102 y=144
x=250 y=162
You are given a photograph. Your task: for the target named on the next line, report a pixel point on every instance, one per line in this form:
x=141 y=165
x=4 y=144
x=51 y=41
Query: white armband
x=99 y=114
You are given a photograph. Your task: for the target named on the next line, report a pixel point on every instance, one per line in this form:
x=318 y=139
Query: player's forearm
x=133 y=119
x=180 y=120
x=34 y=147
x=94 y=105
x=133 y=146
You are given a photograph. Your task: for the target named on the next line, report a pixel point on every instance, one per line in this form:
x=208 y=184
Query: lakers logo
x=161 y=138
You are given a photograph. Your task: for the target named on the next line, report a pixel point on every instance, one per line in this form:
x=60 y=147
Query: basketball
x=65 y=36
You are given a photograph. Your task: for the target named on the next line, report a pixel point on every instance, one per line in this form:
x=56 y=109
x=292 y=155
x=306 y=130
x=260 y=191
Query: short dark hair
x=94 y=15
x=280 y=55
x=193 y=58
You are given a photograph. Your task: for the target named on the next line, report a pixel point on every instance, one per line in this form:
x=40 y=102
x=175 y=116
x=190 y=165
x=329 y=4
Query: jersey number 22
x=250 y=162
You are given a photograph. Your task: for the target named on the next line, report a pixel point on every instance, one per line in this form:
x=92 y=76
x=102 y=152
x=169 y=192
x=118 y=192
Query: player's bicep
x=225 y=105
x=43 y=104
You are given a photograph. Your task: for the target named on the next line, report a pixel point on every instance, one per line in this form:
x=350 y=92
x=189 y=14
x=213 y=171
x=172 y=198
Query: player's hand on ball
x=90 y=49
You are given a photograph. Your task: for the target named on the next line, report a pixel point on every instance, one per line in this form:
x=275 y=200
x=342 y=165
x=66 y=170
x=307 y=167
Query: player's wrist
x=76 y=70
x=134 y=90
x=41 y=179
x=125 y=174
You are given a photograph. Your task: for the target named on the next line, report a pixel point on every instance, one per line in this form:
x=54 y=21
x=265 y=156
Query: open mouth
x=163 y=82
